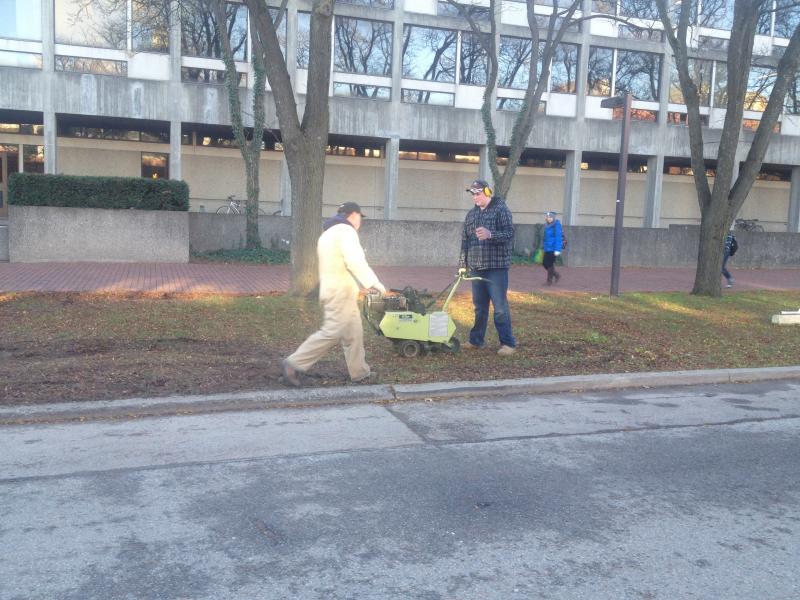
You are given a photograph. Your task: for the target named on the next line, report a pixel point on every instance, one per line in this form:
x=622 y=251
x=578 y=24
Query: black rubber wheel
x=409 y=348
x=453 y=346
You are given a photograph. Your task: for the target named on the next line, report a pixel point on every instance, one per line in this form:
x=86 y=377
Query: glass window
x=516 y=104
x=363 y=46
x=99 y=24
x=605 y=7
x=199 y=75
x=543 y=22
x=374 y=3
x=24 y=60
x=792 y=102
x=98 y=66
x=717 y=14
x=514 y=62
x=273 y=13
x=679 y=118
x=638 y=73
x=473 y=60
x=21 y=19
x=303 y=39
x=199 y=31
x=721 y=85
x=357 y=90
x=150 y=25
x=764 y=25
x=641 y=9
x=640 y=33
x=427 y=97
x=447 y=9
x=564 y=70
x=759 y=87
x=700 y=72
x=787 y=18
x=600 y=64
x=155 y=166
x=705 y=42
x=33 y=159
x=429 y=53
x=22 y=128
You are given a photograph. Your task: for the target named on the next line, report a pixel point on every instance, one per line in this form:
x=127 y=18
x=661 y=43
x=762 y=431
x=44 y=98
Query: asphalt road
x=690 y=492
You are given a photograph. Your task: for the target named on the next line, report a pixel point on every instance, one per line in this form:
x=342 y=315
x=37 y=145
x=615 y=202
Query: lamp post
x=625 y=104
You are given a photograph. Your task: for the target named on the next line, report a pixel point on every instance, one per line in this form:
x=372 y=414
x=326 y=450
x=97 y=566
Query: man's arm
x=356 y=262
x=505 y=227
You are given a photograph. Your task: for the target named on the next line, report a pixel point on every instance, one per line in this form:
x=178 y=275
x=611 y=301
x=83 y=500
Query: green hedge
x=30 y=189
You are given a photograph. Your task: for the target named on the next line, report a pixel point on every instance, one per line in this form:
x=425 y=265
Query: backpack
x=734 y=246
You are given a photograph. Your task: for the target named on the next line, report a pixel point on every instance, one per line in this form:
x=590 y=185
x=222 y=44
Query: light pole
x=625 y=104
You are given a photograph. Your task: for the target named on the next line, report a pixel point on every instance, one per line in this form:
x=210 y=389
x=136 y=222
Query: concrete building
x=133 y=88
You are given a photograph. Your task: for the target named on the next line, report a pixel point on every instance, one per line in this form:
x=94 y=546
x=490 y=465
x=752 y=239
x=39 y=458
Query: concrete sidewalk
x=235 y=279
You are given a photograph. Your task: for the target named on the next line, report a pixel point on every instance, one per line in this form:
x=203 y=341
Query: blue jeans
x=725 y=271
x=493 y=290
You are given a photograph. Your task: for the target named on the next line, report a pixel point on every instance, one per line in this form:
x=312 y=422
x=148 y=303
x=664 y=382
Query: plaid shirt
x=494 y=253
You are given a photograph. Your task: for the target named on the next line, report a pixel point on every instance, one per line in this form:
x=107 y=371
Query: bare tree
x=720 y=203
x=305 y=141
x=539 y=57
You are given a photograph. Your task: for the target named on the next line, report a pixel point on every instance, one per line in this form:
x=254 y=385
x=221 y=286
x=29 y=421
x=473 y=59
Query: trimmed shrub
x=31 y=189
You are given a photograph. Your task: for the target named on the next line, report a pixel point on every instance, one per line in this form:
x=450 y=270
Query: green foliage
x=267 y=256
x=31 y=189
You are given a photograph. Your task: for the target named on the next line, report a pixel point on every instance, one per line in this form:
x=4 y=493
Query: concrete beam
x=655 y=184
x=793 y=225
x=390 y=177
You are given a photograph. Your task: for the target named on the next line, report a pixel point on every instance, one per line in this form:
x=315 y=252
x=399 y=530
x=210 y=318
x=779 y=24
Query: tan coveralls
x=341 y=258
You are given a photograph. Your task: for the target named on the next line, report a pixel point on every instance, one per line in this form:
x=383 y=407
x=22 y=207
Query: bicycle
x=235 y=207
x=747 y=225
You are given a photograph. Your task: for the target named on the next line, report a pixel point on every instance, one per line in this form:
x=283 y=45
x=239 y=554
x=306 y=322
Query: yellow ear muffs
x=487 y=191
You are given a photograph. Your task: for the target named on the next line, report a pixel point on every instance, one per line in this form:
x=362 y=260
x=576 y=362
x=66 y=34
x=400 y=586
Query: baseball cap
x=550 y=213
x=477 y=186
x=348 y=208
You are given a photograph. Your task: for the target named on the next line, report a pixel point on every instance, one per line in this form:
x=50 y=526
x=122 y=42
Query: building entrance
x=3 y=185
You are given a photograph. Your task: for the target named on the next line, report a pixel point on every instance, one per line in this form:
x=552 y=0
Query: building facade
x=134 y=88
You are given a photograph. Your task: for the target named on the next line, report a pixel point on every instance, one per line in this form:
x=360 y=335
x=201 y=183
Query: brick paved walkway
x=243 y=279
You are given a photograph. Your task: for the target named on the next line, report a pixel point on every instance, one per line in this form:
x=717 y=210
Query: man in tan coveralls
x=341 y=263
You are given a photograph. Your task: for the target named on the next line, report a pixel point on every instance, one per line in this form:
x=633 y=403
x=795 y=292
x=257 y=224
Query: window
x=564 y=69
x=514 y=62
x=791 y=103
x=717 y=14
x=429 y=53
x=700 y=72
x=155 y=166
x=33 y=159
x=363 y=46
x=600 y=63
x=214 y=76
x=22 y=128
x=637 y=114
x=721 y=85
x=478 y=13
x=759 y=87
x=281 y=31
x=638 y=73
x=357 y=90
x=199 y=31
x=705 y=42
x=99 y=24
x=110 y=133
x=752 y=125
x=641 y=9
x=96 y=66
x=25 y=60
x=150 y=25
x=21 y=19
x=427 y=97
x=543 y=21
x=605 y=7
x=303 y=39
x=787 y=18
x=473 y=60
x=641 y=33
x=680 y=118
x=374 y=3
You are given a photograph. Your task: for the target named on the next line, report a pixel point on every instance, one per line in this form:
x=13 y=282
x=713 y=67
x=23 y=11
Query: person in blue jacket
x=552 y=244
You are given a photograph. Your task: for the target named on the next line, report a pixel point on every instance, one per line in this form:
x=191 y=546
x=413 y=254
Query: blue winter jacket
x=553 y=240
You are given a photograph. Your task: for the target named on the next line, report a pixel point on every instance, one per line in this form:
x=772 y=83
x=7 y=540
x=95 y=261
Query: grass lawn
x=58 y=347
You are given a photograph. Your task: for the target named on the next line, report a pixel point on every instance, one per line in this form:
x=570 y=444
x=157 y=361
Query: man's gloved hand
x=462 y=271
x=557 y=252
x=379 y=286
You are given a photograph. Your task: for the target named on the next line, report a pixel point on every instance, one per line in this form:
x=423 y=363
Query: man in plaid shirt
x=486 y=243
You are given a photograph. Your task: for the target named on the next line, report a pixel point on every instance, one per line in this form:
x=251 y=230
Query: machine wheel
x=409 y=348
x=453 y=346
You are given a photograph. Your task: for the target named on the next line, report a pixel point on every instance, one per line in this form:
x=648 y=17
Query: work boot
x=506 y=350
x=550 y=276
x=556 y=276
x=290 y=374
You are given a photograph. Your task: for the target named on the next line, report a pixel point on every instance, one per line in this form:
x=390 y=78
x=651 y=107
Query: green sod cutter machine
x=407 y=320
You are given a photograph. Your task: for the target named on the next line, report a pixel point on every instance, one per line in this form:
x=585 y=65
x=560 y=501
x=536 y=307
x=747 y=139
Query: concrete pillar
x=48 y=81
x=286 y=189
x=176 y=93
x=793 y=225
x=655 y=186
x=572 y=188
x=391 y=173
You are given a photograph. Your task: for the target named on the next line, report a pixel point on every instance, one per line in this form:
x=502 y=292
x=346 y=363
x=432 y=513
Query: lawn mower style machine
x=405 y=317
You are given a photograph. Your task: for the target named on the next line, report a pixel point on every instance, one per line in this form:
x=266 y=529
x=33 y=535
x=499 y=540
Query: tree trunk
x=306 y=163
x=714 y=225
x=251 y=166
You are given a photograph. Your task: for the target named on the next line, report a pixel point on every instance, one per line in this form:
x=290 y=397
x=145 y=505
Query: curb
x=375 y=394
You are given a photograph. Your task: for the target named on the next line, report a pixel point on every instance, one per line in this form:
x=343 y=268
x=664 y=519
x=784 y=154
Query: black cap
x=349 y=208
x=478 y=186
